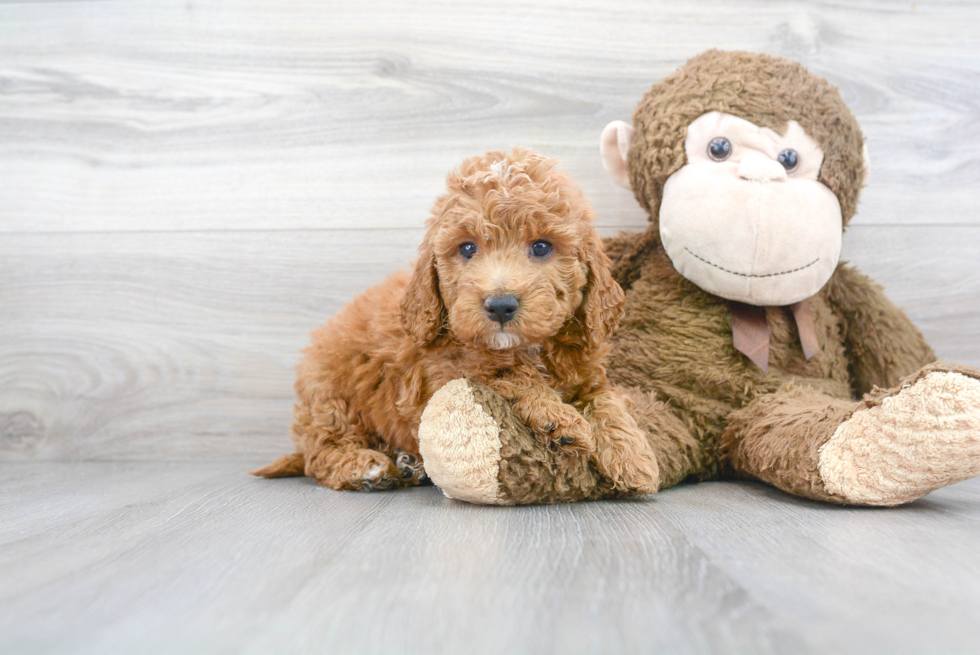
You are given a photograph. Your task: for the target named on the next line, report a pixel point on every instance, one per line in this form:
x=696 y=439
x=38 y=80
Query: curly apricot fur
x=372 y=368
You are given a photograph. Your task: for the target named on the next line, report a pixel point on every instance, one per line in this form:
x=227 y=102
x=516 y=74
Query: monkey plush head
x=750 y=167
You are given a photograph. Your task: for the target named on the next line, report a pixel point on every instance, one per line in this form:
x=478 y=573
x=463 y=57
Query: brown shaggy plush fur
x=373 y=367
x=707 y=410
x=531 y=474
x=767 y=91
x=676 y=340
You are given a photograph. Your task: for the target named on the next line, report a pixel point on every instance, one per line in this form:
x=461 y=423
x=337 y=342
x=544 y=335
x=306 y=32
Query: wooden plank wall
x=187 y=188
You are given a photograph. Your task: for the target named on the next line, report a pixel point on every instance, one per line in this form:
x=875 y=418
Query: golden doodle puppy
x=512 y=289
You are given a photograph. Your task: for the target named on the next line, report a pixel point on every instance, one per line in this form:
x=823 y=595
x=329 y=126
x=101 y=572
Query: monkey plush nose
x=501 y=308
x=756 y=167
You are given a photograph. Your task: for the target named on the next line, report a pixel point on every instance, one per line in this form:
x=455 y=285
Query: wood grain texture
x=189 y=188
x=177 y=558
x=318 y=114
x=182 y=345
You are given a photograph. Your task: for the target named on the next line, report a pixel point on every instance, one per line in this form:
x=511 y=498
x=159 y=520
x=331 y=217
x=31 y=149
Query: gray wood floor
x=187 y=188
x=201 y=558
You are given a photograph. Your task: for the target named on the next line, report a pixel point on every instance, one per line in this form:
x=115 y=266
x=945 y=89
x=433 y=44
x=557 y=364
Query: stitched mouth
x=722 y=268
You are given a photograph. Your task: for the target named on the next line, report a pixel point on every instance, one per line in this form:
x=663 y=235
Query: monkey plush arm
x=627 y=253
x=619 y=247
x=882 y=344
x=542 y=409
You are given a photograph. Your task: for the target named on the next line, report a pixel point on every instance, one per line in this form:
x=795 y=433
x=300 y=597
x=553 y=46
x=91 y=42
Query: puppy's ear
x=602 y=306
x=422 y=309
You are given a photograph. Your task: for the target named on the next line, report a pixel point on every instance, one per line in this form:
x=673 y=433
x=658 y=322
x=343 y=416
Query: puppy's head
x=511 y=259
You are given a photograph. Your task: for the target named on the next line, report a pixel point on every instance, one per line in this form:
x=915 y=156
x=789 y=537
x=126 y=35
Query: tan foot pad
x=924 y=437
x=460 y=445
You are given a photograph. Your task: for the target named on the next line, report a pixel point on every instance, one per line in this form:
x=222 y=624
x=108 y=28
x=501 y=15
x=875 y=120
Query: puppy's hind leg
x=284 y=467
x=337 y=450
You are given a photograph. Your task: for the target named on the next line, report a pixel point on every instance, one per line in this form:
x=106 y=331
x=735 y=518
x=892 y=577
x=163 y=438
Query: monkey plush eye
x=541 y=248
x=467 y=250
x=789 y=159
x=720 y=148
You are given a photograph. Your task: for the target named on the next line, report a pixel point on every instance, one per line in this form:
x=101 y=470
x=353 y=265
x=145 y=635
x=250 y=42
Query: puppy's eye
x=720 y=148
x=541 y=249
x=467 y=250
x=789 y=159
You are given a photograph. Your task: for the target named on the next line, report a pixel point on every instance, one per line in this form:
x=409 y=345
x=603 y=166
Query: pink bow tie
x=750 y=331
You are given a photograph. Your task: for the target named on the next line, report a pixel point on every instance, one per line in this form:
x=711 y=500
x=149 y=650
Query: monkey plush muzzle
x=746 y=218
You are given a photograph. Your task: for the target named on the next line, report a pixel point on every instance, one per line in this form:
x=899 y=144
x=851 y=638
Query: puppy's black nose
x=501 y=308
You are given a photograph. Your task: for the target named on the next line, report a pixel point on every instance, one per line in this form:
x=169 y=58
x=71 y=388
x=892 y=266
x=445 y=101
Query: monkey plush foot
x=476 y=449
x=908 y=441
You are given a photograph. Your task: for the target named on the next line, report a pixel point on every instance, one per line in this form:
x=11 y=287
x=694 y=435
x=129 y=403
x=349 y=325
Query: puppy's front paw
x=411 y=469
x=561 y=425
x=624 y=457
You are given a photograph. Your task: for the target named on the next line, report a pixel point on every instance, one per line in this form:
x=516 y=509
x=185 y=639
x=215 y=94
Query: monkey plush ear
x=614 y=145
x=866 y=166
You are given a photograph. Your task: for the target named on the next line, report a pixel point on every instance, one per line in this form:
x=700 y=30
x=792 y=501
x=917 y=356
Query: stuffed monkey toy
x=747 y=348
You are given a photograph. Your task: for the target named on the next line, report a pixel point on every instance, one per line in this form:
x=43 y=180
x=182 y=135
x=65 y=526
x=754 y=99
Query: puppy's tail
x=284 y=467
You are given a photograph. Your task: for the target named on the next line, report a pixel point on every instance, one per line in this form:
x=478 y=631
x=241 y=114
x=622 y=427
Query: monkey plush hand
x=747 y=349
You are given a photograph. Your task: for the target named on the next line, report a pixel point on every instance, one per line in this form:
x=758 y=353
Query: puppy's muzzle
x=501 y=308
